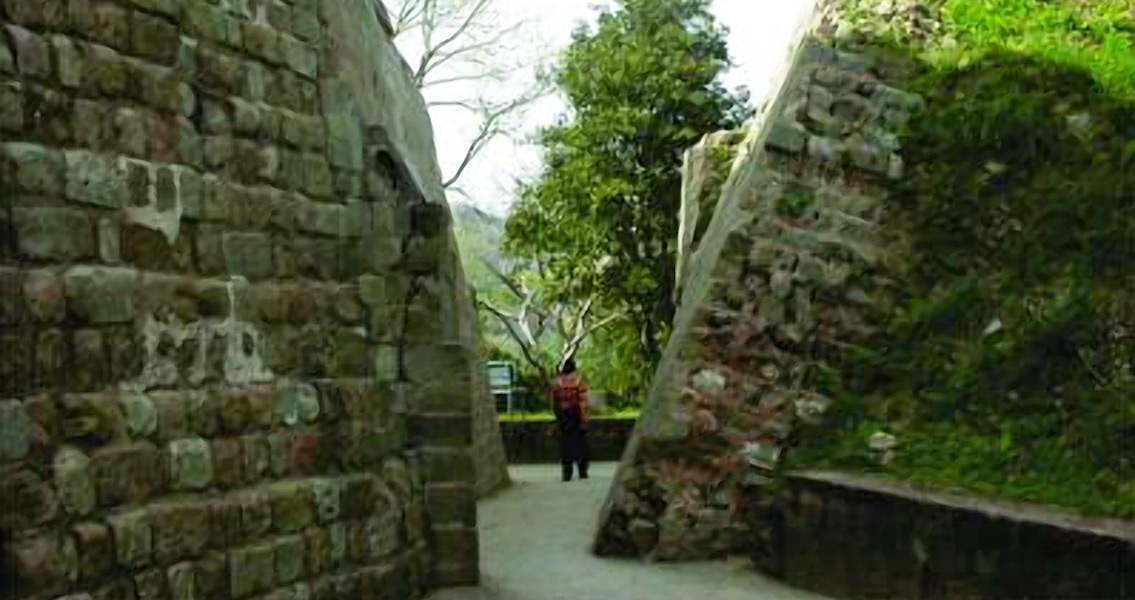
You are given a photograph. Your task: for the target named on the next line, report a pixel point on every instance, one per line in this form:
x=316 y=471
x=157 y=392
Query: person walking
x=571 y=398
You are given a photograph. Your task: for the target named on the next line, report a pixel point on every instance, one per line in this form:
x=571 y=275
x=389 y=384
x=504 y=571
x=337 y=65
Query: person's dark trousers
x=575 y=451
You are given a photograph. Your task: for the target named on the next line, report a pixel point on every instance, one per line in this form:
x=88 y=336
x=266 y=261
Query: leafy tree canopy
x=603 y=217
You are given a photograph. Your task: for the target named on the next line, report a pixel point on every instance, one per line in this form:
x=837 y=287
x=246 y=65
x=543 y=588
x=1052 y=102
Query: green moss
x=1000 y=372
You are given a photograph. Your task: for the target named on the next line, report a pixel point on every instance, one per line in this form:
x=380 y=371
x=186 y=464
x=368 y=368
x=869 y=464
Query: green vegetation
x=626 y=413
x=1007 y=368
x=643 y=87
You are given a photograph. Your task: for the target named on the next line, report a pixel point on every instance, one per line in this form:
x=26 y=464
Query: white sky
x=760 y=32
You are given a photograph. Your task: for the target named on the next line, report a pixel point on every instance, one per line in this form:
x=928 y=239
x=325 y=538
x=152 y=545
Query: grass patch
x=1006 y=370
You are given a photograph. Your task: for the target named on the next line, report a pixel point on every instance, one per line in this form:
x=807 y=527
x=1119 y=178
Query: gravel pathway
x=534 y=546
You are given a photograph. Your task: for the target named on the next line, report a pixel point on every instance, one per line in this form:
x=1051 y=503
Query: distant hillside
x=478 y=236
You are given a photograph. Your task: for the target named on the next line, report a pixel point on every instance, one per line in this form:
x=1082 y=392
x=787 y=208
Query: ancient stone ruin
x=779 y=262
x=237 y=357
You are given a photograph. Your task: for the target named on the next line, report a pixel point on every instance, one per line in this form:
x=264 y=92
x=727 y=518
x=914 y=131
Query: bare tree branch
x=507 y=321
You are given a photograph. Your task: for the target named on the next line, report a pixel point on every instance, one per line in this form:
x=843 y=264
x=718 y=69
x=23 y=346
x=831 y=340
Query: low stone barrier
x=536 y=442
x=855 y=537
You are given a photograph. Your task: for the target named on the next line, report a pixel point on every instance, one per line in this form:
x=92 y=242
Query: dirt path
x=534 y=546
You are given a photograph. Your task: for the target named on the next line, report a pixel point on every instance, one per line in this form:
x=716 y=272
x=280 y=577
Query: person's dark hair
x=569 y=367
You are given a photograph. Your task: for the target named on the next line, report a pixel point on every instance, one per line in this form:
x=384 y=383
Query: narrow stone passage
x=535 y=540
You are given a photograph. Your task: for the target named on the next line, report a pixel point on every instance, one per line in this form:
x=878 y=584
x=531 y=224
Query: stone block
x=210 y=22
x=157 y=87
x=439 y=376
x=30 y=500
x=53 y=233
x=32 y=56
x=91 y=418
x=245 y=116
x=448 y=466
x=130 y=128
x=32 y=168
x=288 y=553
x=41 y=563
x=263 y=41
x=127 y=474
x=154 y=39
x=216 y=70
x=183 y=580
x=100 y=294
x=43 y=296
x=787 y=136
x=72 y=479
x=248 y=254
x=89 y=353
x=293 y=506
x=109 y=74
x=70 y=60
x=190 y=464
x=140 y=414
x=95 y=548
x=109 y=240
x=151 y=584
x=300 y=57
x=164 y=7
x=217 y=151
x=11 y=104
x=13 y=430
x=345 y=142
x=252 y=80
x=317 y=551
x=440 y=429
x=251 y=570
x=107 y=23
x=305 y=23
x=133 y=539
x=92 y=179
x=255 y=514
x=180 y=530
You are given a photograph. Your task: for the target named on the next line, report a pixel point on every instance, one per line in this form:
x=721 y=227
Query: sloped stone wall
x=787 y=274
x=232 y=359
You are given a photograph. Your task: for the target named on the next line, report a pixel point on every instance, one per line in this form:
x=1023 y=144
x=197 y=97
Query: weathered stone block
x=305 y=23
x=190 y=464
x=180 y=530
x=93 y=418
x=293 y=506
x=106 y=23
x=43 y=296
x=288 y=553
x=210 y=22
x=217 y=70
x=95 y=549
x=248 y=254
x=251 y=570
x=263 y=41
x=129 y=474
x=788 y=136
x=165 y=7
x=32 y=56
x=133 y=538
x=32 y=168
x=151 y=585
x=245 y=116
x=11 y=104
x=53 y=233
x=300 y=57
x=100 y=294
x=154 y=39
x=183 y=579
x=42 y=563
x=131 y=128
x=13 y=430
x=140 y=414
x=345 y=142
x=158 y=87
x=252 y=80
x=92 y=179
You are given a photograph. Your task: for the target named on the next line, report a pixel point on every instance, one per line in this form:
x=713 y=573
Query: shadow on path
x=535 y=540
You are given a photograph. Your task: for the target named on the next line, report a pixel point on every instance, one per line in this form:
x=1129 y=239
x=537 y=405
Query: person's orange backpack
x=567 y=394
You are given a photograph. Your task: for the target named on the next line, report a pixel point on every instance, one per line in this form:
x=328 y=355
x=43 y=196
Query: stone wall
x=788 y=273
x=488 y=447
x=848 y=537
x=231 y=352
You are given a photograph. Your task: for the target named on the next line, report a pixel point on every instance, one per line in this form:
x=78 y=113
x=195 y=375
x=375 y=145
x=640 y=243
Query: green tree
x=603 y=217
